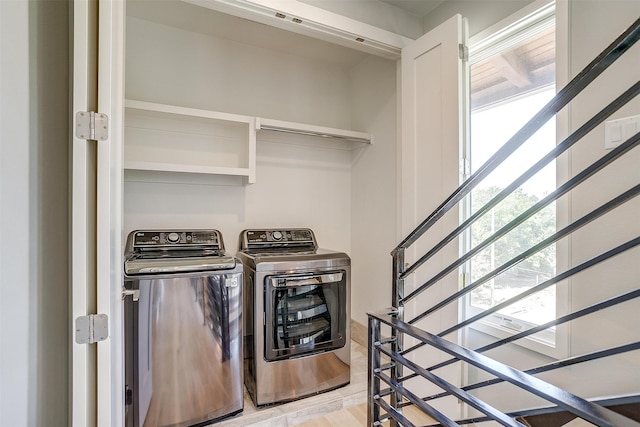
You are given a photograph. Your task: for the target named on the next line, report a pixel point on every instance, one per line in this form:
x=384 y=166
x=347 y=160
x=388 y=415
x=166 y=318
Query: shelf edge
x=185 y=111
x=312 y=130
x=170 y=167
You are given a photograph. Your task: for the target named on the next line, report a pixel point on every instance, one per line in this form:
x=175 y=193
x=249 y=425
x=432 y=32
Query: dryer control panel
x=271 y=238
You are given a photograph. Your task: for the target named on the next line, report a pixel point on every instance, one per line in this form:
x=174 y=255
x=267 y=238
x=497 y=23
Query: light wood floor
x=311 y=408
x=344 y=407
x=354 y=416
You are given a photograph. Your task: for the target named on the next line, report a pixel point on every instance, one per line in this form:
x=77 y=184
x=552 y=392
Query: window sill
x=501 y=327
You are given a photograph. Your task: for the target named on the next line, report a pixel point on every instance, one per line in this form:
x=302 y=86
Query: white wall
x=17 y=385
x=297 y=186
x=373 y=187
x=301 y=182
x=174 y=66
x=34 y=213
x=593 y=26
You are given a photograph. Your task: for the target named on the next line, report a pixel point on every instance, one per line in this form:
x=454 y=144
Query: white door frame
x=84 y=98
x=97 y=392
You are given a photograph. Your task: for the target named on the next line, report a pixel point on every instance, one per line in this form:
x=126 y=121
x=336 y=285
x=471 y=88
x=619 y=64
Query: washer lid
x=145 y=265
x=175 y=251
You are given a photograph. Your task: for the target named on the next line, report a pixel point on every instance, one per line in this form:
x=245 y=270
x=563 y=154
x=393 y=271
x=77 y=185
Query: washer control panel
x=180 y=238
x=277 y=238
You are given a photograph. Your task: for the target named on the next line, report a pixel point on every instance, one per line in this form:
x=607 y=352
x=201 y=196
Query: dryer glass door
x=304 y=314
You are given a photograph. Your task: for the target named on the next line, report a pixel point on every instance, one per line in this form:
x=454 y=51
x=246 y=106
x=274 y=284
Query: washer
x=183 y=329
x=297 y=300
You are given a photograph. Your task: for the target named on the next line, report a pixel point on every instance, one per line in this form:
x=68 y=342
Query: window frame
x=480 y=45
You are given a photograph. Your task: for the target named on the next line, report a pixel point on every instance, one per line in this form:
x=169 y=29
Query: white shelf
x=160 y=137
x=312 y=130
x=170 y=138
x=173 y=167
x=184 y=111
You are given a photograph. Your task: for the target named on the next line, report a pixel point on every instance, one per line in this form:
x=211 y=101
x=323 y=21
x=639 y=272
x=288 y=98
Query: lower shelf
x=172 y=167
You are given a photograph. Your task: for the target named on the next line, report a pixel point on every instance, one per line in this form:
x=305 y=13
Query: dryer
x=297 y=300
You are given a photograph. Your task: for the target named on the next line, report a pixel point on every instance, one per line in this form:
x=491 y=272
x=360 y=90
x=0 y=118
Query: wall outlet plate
x=618 y=131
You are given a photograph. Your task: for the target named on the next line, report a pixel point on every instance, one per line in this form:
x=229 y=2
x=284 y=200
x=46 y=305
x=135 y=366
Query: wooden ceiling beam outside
x=511 y=67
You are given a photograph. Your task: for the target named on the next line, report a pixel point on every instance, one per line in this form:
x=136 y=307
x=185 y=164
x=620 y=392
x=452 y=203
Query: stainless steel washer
x=183 y=328
x=297 y=315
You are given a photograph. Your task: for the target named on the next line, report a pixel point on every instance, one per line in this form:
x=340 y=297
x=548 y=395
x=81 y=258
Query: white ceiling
x=193 y=18
x=417 y=8
x=206 y=21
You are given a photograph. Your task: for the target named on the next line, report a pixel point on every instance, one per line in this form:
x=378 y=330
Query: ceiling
x=189 y=17
x=417 y=8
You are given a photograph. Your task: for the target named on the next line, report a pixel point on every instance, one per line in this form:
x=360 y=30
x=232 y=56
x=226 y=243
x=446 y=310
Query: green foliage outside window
x=528 y=272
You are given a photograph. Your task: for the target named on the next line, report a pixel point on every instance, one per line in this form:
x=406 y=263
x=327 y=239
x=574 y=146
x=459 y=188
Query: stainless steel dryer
x=183 y=328
x=297 y=301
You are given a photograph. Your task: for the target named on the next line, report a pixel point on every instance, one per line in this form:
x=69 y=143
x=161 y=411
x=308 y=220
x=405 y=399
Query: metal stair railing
x=390 y=392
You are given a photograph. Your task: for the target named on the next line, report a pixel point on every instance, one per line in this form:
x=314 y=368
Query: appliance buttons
x=173 y=237
x=276 y=235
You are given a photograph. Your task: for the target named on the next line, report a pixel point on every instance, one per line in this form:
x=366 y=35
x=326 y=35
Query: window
x=512 y=76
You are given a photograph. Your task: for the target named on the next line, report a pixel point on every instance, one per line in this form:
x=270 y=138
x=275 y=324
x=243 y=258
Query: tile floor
x=300 y=411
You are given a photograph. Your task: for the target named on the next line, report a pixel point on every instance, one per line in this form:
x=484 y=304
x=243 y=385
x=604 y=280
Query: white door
x=97 y=392
x=432 y=133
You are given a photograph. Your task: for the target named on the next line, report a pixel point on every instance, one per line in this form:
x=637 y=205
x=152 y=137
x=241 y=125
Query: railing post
x=373 y=363
x=398 y=305
x=398 y=282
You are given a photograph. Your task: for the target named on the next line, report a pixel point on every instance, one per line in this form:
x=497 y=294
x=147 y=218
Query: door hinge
x=92 y=328
x=465 y=167
x=92 y=126
x=464 y=279
x=463 y=52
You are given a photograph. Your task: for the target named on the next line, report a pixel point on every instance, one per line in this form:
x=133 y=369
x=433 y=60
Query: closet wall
x=343 y=191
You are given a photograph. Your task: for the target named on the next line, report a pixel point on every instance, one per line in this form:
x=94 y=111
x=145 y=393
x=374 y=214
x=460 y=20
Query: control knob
x=276 y=235
x=173 y=237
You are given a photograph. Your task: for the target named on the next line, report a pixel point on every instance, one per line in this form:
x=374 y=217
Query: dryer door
x=304 y=314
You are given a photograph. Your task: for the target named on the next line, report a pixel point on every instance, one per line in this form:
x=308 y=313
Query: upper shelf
x=184 y=111
x=170 y=138
x=311 y=130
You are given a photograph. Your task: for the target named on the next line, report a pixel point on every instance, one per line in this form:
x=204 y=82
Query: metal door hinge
x=465 y=167
x=464 y=280
x=463 y=52
x=92 y=126
x=92 y=328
